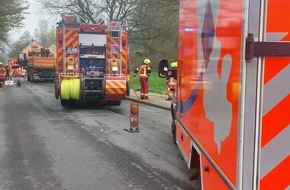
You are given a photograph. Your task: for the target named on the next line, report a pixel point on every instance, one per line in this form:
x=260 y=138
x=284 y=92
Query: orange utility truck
x=39 y=66
x=231 y=117
x=92 y=62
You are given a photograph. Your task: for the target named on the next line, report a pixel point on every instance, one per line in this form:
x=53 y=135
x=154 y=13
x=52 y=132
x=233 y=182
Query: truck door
x=209 y=79
x=266 y=165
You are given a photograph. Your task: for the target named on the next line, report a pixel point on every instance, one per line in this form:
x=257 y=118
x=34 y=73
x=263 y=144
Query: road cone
x=134 y=117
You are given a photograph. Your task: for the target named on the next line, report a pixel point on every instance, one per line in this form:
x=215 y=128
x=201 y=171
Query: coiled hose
x=70 y=89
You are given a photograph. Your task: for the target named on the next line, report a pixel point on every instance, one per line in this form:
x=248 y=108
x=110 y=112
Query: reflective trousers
x=144 y=87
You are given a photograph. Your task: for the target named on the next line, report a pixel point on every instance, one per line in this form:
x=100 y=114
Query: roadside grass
x=156 y=84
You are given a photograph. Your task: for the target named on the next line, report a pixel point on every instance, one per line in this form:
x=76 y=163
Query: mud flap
x=115 y=88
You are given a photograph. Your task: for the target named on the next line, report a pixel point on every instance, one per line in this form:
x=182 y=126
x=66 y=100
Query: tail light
x=59 y=39
x=124 y=42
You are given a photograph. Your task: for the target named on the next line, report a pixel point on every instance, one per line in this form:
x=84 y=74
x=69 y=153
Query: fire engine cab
x=91 y=62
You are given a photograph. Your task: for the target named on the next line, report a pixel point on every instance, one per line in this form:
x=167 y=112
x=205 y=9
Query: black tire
x=173 y=112
x=28 y=75
x=114 y=102
x=13 y=75
x=65 y=103
x=173 y=130
x=109 y=102
x=117 y=102
x=127 y=88
x=56 y=89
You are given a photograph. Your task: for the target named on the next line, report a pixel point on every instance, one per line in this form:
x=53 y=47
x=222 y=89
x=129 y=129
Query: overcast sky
x=30 y=23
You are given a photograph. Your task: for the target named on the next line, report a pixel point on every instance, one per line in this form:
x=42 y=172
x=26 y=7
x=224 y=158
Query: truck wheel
x=127 y=88
x=114 y=102
x=64 y=102
x=117 y=102
x=67 y=102
x=173 y=130
x=173 y=112
x=13 y=75
x=56 y=89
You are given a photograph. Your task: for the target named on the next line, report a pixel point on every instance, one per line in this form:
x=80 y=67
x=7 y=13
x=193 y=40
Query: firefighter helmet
x=146 y=61
x=1 y=63
x=173 y=64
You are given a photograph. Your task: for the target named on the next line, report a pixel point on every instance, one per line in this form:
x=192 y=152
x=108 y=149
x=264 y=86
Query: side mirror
x=163 y=68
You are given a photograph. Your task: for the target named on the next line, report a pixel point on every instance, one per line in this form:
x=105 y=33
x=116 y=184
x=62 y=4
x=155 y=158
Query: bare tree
x=153 y=23
x=17 y=46
x=154 y=34
x=92 y=10
x=87 y=10
x=43 y=31
x=119 y=9
x=45 y=34
x=50 y=37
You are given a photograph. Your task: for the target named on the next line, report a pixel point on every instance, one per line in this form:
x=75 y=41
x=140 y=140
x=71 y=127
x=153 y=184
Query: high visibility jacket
x=144 y=70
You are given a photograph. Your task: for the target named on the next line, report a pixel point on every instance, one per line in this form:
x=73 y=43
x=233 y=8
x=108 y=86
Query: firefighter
x=171 y=79
x=144 y=72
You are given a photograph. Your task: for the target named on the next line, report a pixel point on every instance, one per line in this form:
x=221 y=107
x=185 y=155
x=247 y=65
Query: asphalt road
x=46 y=146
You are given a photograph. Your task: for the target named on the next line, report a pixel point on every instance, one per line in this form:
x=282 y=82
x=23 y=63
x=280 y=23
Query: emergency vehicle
x=15 y=68
x=231 y=106
x=92 y=62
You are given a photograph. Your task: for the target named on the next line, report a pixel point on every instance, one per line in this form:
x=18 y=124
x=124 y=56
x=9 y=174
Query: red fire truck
x=92 y=62
x=231 y=106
